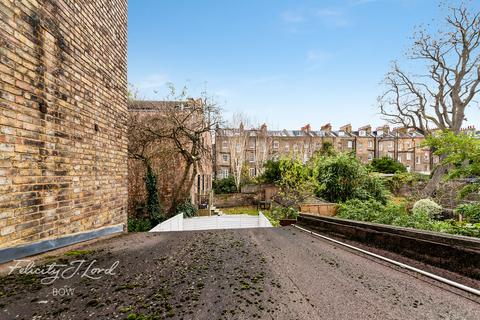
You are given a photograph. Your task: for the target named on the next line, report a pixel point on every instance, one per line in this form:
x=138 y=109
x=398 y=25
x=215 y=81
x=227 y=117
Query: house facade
x=248 y=149
x=165 y=158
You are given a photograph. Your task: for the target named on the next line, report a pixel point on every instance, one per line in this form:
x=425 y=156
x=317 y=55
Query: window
x=426 y=156
x=238 y=147
x=370 y=143
x=370 y=157
x=224 y=144
x=287 y=147
x=399 y=159
x=362 y=133
x=417 y=159
x=400 y=146
x=390 y=155
x=252 y=172
x=224 y=173
x=225 y=158
x=390 y=145
x=426 y=168
x=408 y=169
x=252 y=157
x=252 y=144
x=409 y=156
x=350 y=144
x=408 y=145
x=275 y=144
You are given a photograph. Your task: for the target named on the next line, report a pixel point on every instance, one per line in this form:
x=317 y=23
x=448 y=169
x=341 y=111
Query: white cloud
x=333 y=18
x=292 y=17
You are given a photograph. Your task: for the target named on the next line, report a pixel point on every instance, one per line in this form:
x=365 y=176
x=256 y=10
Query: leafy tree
x=342 y=177
x=271 y=173
x=297 y=180
x=462 y=157
x=387 y=165
x=226 y=185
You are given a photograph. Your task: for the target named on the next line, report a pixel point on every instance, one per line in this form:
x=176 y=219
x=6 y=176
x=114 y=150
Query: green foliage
x=427 y=207
x=470 y=212
x=187 y=208
x=386 y=165
x=285 y=213
x=226 y=185
x=396 y=214
x=271 y=173
x=139 y=225
x=371 y=211
x=342 y=177
x=297 y=181
x=154 y=209
x=462 y=153
x=400 y=179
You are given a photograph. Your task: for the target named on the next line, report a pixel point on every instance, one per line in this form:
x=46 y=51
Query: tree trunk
x=437 y=177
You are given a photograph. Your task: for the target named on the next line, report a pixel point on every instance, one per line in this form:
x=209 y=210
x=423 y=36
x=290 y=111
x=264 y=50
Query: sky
x=283 y=62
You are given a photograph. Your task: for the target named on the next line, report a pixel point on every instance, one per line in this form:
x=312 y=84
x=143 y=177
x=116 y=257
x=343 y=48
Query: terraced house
x=250 y=148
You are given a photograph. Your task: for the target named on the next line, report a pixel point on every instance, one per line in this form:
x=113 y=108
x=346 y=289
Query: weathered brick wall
x=63 y=144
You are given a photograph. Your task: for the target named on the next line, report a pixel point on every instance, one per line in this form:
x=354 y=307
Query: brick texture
x=63 y=117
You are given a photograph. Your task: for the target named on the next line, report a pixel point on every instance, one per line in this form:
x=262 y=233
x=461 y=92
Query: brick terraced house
x=63 y=121
x=236 y=148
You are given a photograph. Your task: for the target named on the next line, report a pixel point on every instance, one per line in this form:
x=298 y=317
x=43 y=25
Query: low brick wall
x=233 y=200
x=319 y=209
x=455 y=253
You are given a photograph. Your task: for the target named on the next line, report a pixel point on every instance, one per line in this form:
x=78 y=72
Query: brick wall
x=63 y=144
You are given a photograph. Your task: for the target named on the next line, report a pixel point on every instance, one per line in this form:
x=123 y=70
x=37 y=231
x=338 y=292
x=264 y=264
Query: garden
x=383 y=191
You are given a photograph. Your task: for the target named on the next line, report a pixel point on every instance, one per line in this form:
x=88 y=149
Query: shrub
x=139 y=225
x=187 y=208
x=371 y=211
x=342 y=177
x=285 y=213
x=271 y=173
x=427 y=207
x=470 y=212
x=400 y=179
x=386 y=165
x=226 y=185
x=154 y=209
x=396 y=214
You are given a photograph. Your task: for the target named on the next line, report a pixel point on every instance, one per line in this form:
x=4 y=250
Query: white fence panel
x=178 y=223
x=173 y=224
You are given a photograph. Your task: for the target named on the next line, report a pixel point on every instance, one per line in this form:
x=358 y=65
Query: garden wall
x=455 y=253
x=231 y=200
x=63 y=118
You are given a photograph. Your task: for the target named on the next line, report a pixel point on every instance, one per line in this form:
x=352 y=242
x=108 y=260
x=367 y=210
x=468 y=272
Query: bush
x=470 y=212
x=271 y=173
x=386 y=165
x=226 y=185
x=285 y=213
x=427 y=207
x=154 y=209
x=139 y=225
x=400 y=179
x=342 y=177
x=371 y=211
x=187 y=208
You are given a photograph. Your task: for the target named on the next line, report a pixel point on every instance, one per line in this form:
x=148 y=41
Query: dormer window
x=362 y=133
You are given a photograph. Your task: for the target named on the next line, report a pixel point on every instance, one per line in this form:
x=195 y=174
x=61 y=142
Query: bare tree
x=237 y=145
x=438 y=97
x=186 y=125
